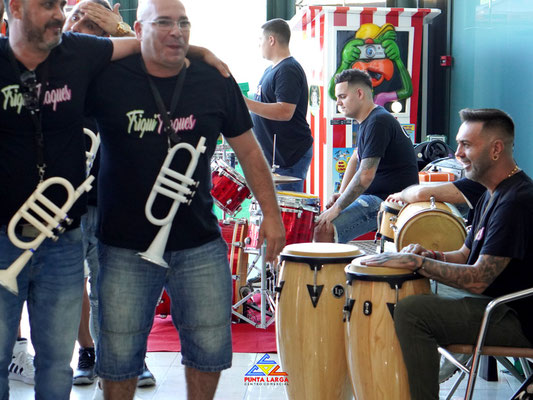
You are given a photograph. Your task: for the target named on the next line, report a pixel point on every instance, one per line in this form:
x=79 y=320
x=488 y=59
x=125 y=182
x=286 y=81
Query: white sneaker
x=21 y=367
x=98 y=392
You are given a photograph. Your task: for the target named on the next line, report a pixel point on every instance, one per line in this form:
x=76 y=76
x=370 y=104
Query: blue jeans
x=298 y=170
x=198 y=282
x=88 y=226
x=357 y=219
x=52 y=284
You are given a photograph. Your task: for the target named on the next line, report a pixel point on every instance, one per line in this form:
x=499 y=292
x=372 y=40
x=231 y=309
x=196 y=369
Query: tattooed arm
x=474 y=278
x=361 y=181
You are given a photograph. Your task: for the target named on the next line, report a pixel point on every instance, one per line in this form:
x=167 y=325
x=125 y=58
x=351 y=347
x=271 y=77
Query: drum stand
x=267 y=295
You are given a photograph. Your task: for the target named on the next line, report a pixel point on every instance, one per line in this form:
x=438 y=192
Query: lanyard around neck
x=35 y=113
x=172 y=133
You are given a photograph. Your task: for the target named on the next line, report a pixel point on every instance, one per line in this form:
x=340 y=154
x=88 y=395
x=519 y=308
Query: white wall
x=231 y=30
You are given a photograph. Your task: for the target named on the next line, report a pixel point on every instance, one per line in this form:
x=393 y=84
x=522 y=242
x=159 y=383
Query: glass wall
x=493 y=65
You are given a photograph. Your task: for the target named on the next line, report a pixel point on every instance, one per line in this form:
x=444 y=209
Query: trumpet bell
x=8 y=277
x=155 y=252
x=153 y=258
x=9 y=282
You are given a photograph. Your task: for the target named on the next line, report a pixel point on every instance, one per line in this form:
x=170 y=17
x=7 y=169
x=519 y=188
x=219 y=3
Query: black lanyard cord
x=33 y=105
x=172 y=133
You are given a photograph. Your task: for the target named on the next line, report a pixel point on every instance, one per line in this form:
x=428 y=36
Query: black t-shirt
x=380 y=135
x=71 y=67
x=134 y=147
x=507 y=231
x=285 y=82
x=472 y=191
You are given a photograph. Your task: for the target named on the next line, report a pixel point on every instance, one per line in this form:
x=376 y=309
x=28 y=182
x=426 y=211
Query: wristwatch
x=123 y=29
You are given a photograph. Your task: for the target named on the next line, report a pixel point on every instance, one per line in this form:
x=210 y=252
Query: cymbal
x=280 y=179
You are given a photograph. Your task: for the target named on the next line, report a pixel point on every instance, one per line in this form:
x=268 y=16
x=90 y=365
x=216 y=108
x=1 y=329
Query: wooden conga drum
x=309 y=327
x=373 y=352
x=434 y=225
x=387 y=215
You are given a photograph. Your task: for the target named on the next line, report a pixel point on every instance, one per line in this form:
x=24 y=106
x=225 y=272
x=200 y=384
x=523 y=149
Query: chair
x=499 y=352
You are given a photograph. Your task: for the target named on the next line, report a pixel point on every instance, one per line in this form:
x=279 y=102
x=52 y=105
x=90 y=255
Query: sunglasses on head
x=29 y=90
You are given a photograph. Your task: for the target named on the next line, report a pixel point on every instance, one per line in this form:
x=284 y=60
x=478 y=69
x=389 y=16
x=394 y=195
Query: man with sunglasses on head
x=44 y=77
x=164 y=103
x=97 y=18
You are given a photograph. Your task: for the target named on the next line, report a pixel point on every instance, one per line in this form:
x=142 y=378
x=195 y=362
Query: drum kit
x=299 y=212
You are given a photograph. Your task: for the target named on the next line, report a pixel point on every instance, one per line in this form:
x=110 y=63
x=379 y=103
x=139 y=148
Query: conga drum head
x=322 y=250
x=436 y=228
x=357 y=269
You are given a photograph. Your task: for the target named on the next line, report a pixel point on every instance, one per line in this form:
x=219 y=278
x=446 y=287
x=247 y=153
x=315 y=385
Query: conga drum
x=309 y=327
x=373 y=352
x=434 y=225
x=387 y=215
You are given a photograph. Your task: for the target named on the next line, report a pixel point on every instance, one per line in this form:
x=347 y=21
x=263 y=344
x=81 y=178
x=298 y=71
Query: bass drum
x=433 y=225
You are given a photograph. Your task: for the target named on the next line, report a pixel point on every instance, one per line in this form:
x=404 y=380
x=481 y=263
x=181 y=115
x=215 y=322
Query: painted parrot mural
x=375 y=50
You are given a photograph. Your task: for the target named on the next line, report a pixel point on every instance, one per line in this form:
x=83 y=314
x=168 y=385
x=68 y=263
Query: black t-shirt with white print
x=134 y=147
x=71 y=66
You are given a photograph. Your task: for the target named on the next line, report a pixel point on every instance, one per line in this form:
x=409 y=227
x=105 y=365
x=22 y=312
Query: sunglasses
x=29 y=90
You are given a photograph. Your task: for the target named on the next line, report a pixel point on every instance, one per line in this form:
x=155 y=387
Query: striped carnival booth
x=323 y=41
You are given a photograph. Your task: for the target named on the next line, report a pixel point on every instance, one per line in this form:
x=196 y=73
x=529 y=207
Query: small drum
x=387 y=218
x=309 y=327
x=229 y=187
x=434 y=225
x=298 y=212
x=373 y=352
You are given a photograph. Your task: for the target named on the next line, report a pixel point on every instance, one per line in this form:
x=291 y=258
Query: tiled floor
x=170 y=377
x=169 y=373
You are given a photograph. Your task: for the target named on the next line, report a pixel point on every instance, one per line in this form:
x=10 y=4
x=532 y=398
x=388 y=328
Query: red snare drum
x=298 y=211
x=229 y=187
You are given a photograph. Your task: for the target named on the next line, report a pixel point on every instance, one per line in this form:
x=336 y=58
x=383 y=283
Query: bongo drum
x=373 y=352
x=387 y=215
x=309 y=327
x=434 y=225
x=229 y=187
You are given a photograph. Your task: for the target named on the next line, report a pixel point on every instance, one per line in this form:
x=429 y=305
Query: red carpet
x=245 y=337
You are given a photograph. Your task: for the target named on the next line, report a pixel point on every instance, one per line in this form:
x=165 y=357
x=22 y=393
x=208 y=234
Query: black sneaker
x=146 y=378
x=84 y=374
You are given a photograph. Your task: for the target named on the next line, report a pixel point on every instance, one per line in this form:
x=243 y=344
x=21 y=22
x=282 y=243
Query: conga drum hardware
x=310 y=334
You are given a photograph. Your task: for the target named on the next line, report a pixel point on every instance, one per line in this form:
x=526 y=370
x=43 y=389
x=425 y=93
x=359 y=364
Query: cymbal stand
x=267 y=295
x=274 y=166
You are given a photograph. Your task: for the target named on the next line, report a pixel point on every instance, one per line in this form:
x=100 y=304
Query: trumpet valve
x=59 y=229
x=67 y=221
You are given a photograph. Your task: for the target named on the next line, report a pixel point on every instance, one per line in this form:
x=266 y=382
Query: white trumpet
x=49 y=228
x=95 y=144
x=176 y=189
